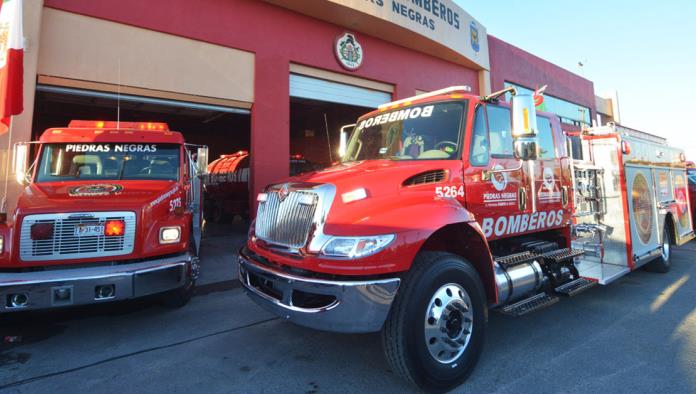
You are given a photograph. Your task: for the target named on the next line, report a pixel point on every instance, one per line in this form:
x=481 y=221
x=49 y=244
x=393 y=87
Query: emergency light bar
x=101 y=124
x=450 y=89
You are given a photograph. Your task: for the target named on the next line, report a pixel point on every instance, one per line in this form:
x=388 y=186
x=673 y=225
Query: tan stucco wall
x=89 y=49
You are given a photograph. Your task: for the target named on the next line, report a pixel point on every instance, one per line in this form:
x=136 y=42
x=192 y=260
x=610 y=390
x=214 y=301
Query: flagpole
x=3 y=208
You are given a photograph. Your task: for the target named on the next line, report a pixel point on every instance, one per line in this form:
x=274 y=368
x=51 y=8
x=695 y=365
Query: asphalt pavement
x=637 y=335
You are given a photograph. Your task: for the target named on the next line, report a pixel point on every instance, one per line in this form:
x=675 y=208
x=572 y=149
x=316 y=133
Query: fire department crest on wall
x=474 y=33
x=348 y=51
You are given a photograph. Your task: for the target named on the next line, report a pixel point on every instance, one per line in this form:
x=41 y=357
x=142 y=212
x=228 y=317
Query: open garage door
x=305 y=87
x=318 y=109
x=223 y=129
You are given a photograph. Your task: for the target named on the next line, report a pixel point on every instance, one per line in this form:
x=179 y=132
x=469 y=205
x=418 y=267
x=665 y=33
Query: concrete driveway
x=636 y=335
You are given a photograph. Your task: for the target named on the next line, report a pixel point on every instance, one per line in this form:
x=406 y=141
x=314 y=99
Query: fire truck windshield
x=108 y=161
x=419 y=132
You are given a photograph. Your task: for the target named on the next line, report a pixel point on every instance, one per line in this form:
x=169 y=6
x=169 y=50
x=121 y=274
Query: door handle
x=522 y=198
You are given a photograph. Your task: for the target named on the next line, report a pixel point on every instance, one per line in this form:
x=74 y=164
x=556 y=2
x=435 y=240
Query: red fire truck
x=447 y=205
x=109 y=211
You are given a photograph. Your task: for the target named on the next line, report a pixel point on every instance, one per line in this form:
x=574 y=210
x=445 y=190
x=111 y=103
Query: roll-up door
x=306 y=87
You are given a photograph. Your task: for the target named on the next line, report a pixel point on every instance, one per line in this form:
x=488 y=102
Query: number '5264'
x=449 y=191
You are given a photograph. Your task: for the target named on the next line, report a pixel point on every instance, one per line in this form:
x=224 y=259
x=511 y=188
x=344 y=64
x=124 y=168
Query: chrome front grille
x=66 y=245
x=286 y=221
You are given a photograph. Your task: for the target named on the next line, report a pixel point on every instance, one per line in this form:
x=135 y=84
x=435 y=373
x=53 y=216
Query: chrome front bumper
x=79 y=286
x=338 y=306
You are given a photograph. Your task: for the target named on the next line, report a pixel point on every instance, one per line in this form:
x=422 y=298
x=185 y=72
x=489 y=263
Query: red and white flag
x=11 y=61
x=539 y=95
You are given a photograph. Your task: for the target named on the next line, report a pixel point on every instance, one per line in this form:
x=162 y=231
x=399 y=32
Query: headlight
x=354 y=247
x=2 y=244
x=170 y=235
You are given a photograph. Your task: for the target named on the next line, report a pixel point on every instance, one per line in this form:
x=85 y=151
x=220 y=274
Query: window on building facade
x=567 y=112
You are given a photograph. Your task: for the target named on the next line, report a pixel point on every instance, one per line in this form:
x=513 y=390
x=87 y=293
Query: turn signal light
x=625 y=148
x=41 y=231
x=114 y=228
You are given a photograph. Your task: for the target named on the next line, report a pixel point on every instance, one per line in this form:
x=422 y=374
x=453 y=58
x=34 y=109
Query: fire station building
x=275 y=77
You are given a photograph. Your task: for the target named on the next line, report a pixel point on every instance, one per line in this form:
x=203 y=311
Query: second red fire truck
x=108 y=211
x=448 y=205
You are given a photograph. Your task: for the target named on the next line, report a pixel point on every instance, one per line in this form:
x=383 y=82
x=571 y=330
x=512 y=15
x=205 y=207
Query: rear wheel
x=662 y=264
x=434 y=334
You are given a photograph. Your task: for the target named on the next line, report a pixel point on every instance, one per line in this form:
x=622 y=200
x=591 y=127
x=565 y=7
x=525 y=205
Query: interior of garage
x=315 y=130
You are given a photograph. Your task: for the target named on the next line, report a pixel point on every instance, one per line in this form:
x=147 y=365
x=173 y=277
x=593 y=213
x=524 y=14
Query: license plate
x=88 y=231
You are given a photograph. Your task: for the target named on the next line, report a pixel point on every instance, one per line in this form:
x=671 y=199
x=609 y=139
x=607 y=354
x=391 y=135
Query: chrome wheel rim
x=448 y=323
x=665 y=246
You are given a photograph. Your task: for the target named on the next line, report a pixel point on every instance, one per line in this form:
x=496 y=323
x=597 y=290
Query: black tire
x=662 y=264
x=207 y=209
x=178 y=298
x=404 y=332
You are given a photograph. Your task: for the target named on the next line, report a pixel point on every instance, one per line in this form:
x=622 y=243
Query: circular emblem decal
x=549 y=180
x=474 y=34
x=642 y=208
x=681 y=197
x=94 y=190
x=348 y=51
x=499 y=179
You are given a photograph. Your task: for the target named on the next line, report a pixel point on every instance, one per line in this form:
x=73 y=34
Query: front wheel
x=435 y=331
x=178 y=298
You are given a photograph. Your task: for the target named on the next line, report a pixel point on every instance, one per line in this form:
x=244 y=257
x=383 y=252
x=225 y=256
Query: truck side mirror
x=20 y=162
x=202 y=160
x=343 y=142
x=524 y=127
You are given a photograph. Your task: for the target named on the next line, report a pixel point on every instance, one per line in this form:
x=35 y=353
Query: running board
x=575 y=287
x=529 y=305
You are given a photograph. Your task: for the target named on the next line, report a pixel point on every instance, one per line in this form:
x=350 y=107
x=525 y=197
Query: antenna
x=328 y=137
x=118 y=97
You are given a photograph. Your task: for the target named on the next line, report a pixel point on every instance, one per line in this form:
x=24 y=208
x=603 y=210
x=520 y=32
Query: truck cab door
x=194 y=197
x=548 y=177
x=495 y=187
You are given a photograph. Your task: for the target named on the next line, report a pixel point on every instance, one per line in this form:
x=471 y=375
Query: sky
x=646 y=50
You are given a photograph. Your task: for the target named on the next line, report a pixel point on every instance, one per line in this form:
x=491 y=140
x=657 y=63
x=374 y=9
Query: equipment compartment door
x=681 y=196
x=642 y=210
